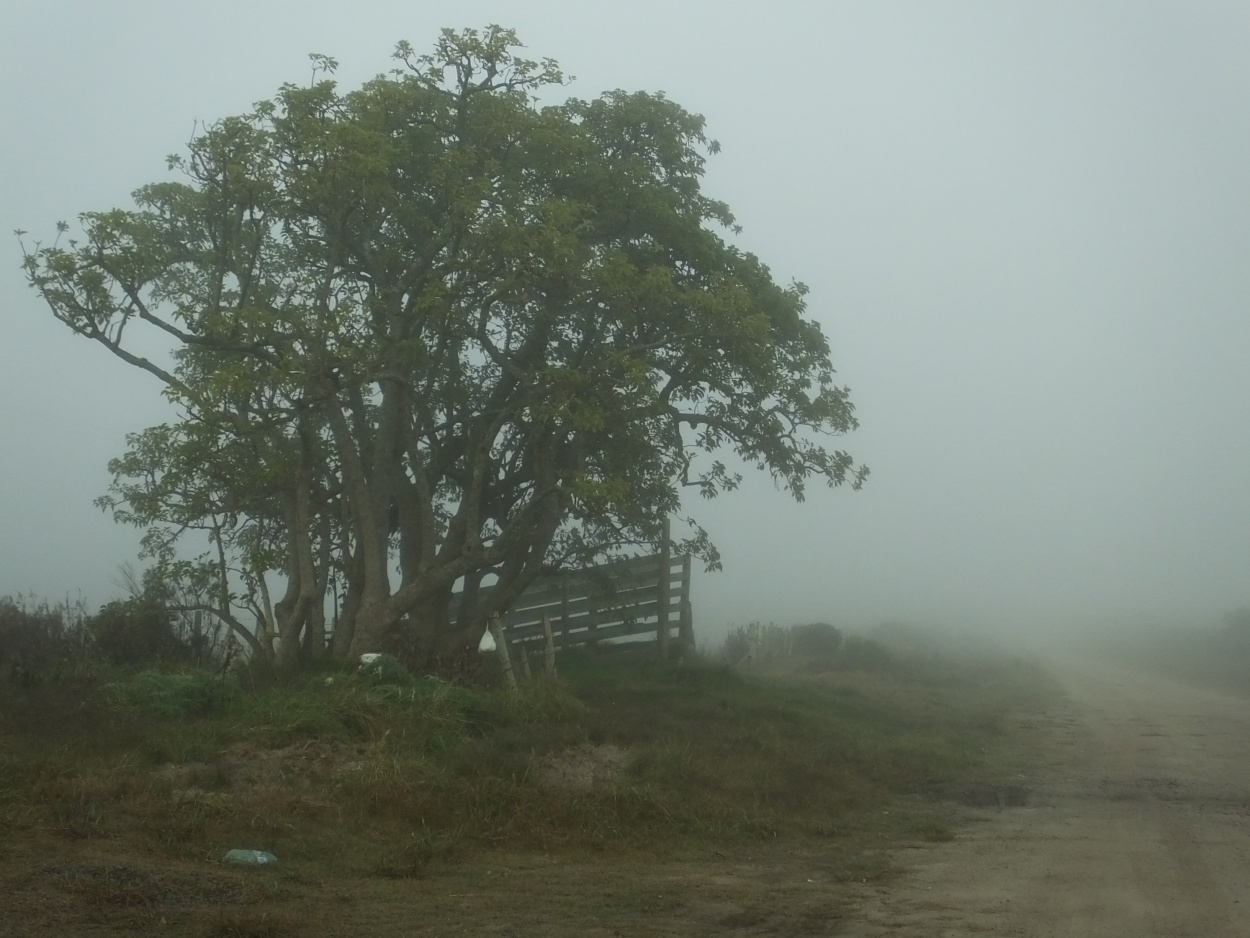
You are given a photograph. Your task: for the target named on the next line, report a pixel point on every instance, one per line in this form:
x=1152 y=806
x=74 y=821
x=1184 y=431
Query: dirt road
x=1139 y=826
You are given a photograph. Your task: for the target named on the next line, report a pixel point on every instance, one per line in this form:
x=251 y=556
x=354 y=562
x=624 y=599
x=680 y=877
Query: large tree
x=428 y=331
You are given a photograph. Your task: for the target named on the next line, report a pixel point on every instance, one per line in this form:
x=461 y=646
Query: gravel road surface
x=1139 y=826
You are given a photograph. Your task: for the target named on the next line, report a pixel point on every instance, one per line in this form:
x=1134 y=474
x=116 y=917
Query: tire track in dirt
x=1139 y=825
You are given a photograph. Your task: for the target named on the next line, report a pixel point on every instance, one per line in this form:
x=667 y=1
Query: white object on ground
x=250 y=857
x=487 y=643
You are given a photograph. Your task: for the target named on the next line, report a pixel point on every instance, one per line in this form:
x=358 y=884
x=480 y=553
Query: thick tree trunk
x=353 y=573
x=371 y=630
x=315 y=630
x=295 y=608
x=454 y=651
x=314 y=644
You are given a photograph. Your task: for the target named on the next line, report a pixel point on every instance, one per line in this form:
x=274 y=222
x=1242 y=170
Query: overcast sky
x=1026 y=229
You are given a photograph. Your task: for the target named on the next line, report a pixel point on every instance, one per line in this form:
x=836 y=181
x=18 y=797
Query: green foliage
x=355 y=710
x=136 y=631
x=39 y=643
x=159 y=693
x=387 y=669
x=540 y=700
x=429 y=324
x=756 y=642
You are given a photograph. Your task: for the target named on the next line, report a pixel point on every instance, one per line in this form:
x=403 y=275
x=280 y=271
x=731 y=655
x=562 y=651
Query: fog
x=1025 y=228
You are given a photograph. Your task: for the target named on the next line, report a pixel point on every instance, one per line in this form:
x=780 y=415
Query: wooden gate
x=625 y=604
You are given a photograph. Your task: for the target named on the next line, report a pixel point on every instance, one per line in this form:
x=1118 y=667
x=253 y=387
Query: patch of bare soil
x=248 y=766
x=582 y=768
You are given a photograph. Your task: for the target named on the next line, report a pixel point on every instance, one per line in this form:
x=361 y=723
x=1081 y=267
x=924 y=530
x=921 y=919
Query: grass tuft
x=188 y=693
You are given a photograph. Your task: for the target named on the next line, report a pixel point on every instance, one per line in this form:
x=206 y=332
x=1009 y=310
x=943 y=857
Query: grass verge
x=133 y=786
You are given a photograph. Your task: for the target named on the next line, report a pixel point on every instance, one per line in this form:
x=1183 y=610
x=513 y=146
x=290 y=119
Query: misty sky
x=1026 y=229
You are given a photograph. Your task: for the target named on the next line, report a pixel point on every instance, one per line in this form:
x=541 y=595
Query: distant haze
x=1026 y=230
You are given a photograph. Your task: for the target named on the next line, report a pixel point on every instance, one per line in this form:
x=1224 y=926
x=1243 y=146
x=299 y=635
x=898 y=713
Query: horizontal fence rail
x=622 y=604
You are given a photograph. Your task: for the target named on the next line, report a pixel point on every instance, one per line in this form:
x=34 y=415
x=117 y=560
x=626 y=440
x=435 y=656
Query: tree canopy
x=431 y=330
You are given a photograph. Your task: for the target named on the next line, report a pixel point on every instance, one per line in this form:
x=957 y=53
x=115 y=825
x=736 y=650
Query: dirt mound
x=245 y=765
x=583 y=767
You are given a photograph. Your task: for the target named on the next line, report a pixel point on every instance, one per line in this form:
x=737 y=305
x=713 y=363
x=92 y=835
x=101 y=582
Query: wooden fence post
x=685 y=626
x=501 y=649
x=662 y=597
x=592 y=617
x=549 y=648
x=564 y=608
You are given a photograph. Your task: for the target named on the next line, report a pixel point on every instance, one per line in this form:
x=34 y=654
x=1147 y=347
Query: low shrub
x=819 y=640
x=757 y=642
x=387 y=669
x=737 y=644
x=135 y=632
x=191 y=693
x=39 y=643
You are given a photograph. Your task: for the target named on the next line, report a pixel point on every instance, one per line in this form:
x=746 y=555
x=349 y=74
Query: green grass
x=393 y=778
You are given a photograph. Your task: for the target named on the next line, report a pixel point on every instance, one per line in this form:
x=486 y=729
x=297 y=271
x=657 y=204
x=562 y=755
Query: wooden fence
x=626 y=604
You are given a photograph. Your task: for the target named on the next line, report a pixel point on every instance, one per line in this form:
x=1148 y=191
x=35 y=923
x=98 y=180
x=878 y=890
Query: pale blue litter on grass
x=250 y=858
